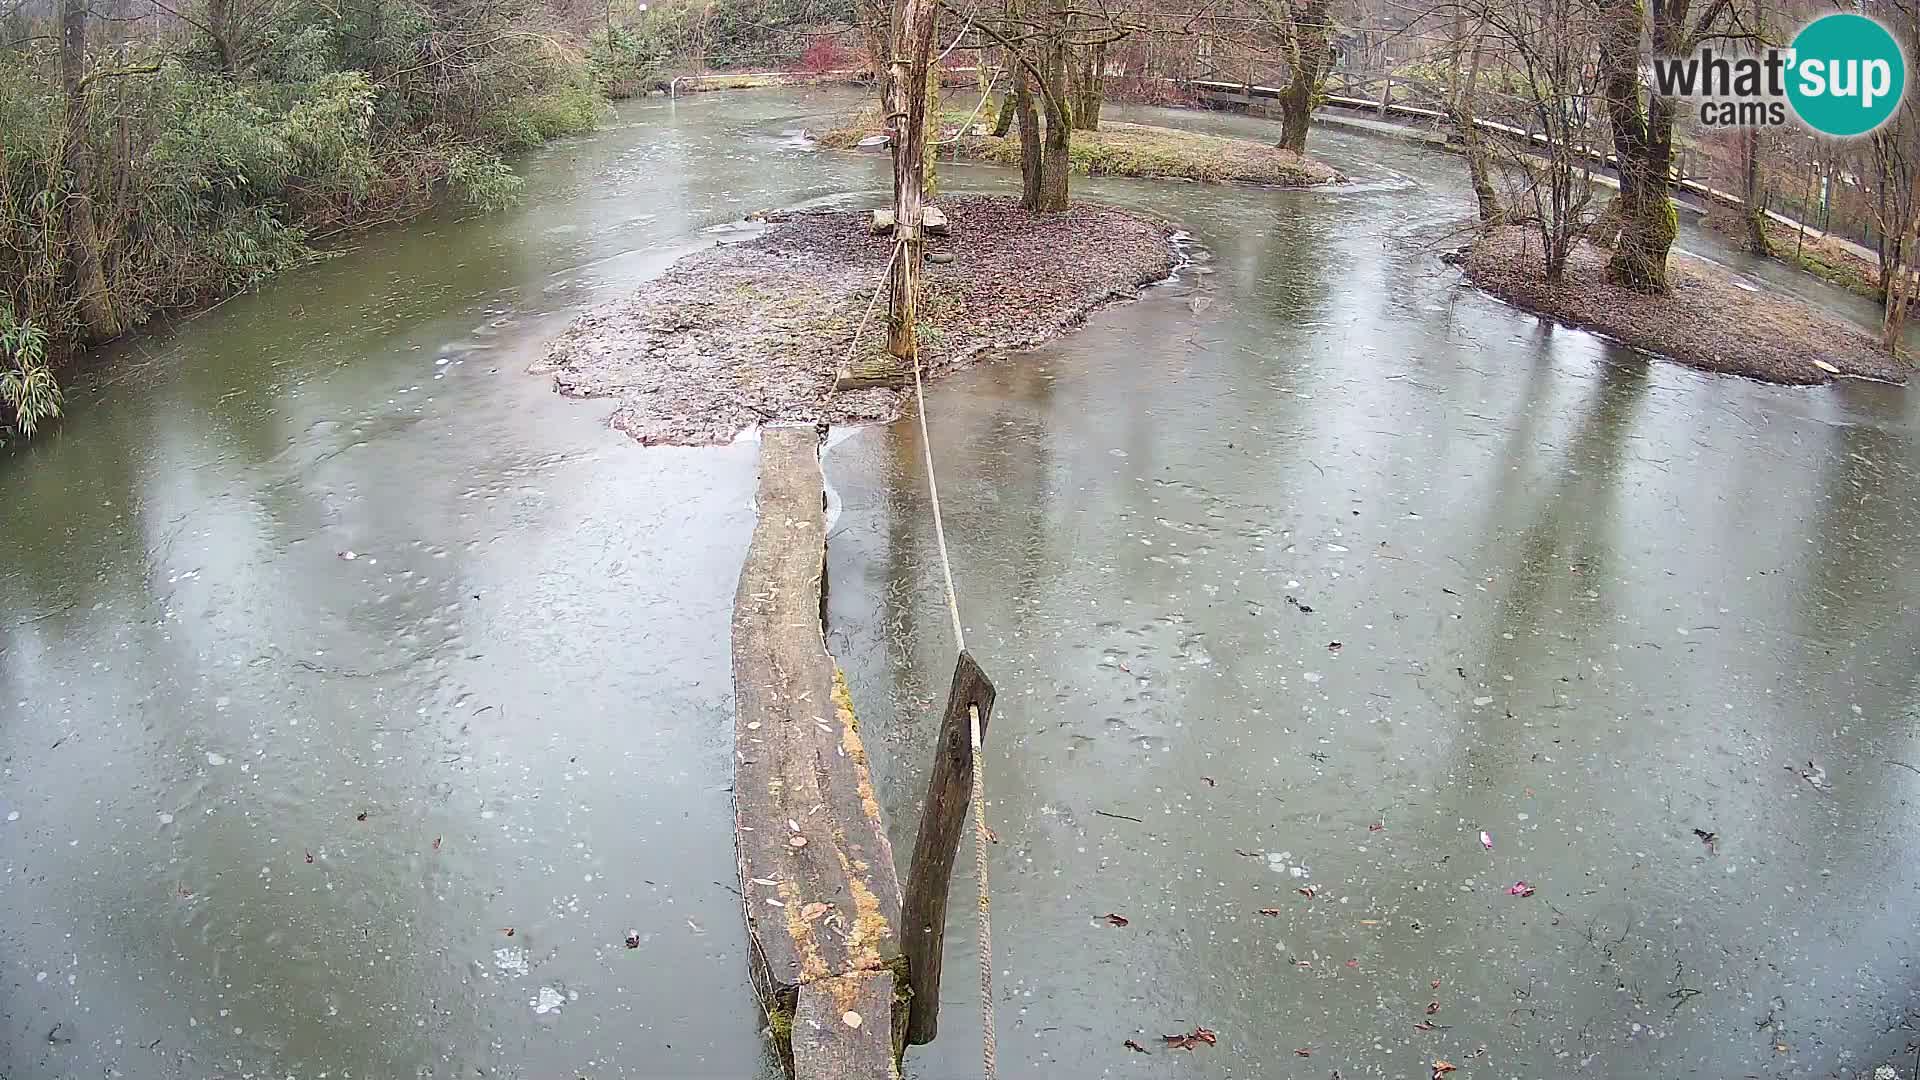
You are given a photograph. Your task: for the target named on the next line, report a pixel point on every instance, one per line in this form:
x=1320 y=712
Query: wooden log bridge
x=817 y=875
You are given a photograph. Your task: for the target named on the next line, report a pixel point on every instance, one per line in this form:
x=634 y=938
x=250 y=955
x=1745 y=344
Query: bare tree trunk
x=83 y=232
x=1472 y=139
x=1308 y=60
x=1055 y=152
x=1643 y=145
x=1003 y=120
x=875 y=22
x=1752 y=194
x=907 y=118
x=1090 y=87
x=1032 y=165
x=220 y=34
x=1900 y=275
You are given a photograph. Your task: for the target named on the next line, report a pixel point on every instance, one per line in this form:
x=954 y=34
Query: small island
x=1121 y=149
x=755 y=331
x=1706 y=319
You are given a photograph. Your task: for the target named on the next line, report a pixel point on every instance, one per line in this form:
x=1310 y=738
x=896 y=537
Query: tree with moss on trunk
x=1468 y=52
x=1642 y=123
x=85 y=255
x=1305 y=30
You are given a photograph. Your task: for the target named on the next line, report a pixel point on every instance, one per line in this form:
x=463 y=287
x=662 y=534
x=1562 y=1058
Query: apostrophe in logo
x=1847 y=75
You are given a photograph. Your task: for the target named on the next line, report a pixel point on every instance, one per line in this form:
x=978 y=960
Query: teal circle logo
x=1848 y=74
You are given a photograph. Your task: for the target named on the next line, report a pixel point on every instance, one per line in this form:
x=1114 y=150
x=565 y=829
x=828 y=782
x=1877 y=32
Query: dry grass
x=1134 y=150
x=1705 y=321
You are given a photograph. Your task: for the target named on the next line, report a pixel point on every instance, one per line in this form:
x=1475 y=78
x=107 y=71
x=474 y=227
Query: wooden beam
x=817 y=878
x=942 y=820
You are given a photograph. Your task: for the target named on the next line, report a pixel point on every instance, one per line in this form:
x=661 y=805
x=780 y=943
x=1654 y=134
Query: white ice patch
x=511 y=961
x=215 y=759
x=549 y=1000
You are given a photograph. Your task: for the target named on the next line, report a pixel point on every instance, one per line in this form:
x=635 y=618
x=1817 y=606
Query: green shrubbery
x=205 y=180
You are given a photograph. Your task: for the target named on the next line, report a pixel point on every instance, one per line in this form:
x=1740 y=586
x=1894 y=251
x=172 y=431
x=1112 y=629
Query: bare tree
x=1643 y=127
x=83 y=232
x=1304 y=28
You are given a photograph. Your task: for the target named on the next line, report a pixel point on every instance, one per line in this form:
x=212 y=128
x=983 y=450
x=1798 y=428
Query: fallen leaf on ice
x=1303 y=1051
x=1269 y=911
x=1191 y=1038
x=1116 y=920
x=1442 y=1067
x=1486 y=841
x=1306 y=891
x=1519 y=888
x=1134 y=1046
x=1432 y=1007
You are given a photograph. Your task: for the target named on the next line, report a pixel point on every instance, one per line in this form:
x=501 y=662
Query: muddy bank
x=754 y=331
x=1708 y=320
x=1120 y=149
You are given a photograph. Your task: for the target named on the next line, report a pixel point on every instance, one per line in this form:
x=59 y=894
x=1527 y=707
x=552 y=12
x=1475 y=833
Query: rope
x=988 y=1069
x=886 y=274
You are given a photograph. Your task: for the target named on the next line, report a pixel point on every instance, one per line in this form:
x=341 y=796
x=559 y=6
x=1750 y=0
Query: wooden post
x=949 y=789
x=907 y=115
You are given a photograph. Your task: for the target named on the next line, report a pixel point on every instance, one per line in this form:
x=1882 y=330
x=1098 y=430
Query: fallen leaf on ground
x=1269 y=911
x=1432 y=1007
x=815 y=910
x=993 y=837
x=1134 y=1046
x=1191 y=1038
x=1116 y=920
x=1519 y=888
x=1442 y=1067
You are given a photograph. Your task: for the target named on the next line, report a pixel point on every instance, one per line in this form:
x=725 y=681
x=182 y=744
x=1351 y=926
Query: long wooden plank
x=817 y=877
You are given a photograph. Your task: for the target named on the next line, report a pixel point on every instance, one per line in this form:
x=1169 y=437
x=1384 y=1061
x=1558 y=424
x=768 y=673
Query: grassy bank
x=188 y=168
x=1135 y=150
x=1708 y=319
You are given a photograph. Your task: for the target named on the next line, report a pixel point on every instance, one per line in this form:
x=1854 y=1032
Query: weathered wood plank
x=817 y=877
x=841 y=1028
x=942 y=819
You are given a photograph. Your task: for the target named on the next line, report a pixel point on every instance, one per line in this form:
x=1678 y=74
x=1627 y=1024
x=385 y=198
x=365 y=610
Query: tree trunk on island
x=1054 y=158
x=907 y=75
x=1031 y=165
x=1472 y=140
x=1090 y=87
x=83 y=231
x=1309 y=56
x=1642 y=140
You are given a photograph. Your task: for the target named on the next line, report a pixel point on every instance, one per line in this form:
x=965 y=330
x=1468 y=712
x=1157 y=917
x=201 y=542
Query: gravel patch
x=754 y=331
x=1706 y=321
